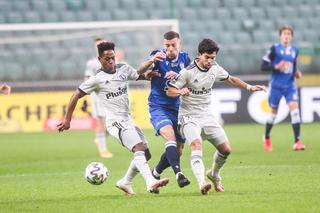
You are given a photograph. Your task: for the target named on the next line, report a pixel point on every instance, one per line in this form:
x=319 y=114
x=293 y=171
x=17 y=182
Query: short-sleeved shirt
x=159 y=85
x=277 y=53
x=199 y=82
x=112 y=90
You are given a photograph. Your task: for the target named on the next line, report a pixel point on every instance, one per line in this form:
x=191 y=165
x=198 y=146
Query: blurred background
x=45 y=44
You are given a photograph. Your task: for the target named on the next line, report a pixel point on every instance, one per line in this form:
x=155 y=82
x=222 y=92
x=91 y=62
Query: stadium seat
x=85 y=15
x=266 y=24
x=260 y=37
x=247 y=3
x=138 y=14
x=230 y=3
x=280 y=22
x=257 y=13
x=75 y=5
x=243 y=38
x=158 y=14
x=180 y=4
x=57 y=6
x=310 y=36
x=226 y=38
x=67 y=16
x=264 y=3
x=212 y=4
x=123 y=40
x=213 y=26
x=3 y=19
x=120 y=14
x=102 y=16
x=14 y=17
x=146 y=5
x=195 y=4
x=19 y=6
x=4 y=6
x=222 y=13
x=305 y=11
x=16 y=71
x=32 y=17
x=37 y=5
x=300 y=24
x=239 y=13
x=273 y=12
x=49 y=16
x=289 y=12
x=163 y=5
x=280 y=4
x=232 y=25
x=205 y=14
x=93 y=6
x=128 y=5
x=188 y=14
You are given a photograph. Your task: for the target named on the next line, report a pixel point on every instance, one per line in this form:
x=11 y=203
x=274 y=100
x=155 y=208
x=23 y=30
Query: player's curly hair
x=208 y=46
x=103 y=46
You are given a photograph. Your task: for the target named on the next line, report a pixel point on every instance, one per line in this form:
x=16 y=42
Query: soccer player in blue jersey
x=163 y=109
x=281 y=59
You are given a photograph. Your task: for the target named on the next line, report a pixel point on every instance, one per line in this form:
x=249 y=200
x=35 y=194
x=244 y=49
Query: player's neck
x=285 y=44
x=111 y=71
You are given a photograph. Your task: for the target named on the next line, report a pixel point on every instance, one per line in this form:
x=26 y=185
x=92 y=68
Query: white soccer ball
x=96 y=173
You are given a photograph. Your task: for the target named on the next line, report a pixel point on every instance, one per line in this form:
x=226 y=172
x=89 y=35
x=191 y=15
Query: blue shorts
x=162 y=116
x=275 y=95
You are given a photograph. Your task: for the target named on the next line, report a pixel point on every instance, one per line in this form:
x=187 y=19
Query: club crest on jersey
x=122 y=77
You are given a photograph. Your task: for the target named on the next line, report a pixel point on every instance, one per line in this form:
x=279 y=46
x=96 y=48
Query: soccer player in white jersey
x=194 y=85
x=110 y=84
x=92 y=67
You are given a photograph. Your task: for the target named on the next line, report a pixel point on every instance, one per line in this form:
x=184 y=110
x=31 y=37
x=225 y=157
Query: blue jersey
x=159 y=85
x=277 y=53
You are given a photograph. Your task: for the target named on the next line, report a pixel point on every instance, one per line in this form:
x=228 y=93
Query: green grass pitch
x=44 y=172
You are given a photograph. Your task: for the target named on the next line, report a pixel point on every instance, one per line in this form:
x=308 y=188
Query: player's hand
x=298 y=74
x=84 y=106
x=152 y=74
x=64 y=125
x=255 y=88
x=159 y=56
x=184 y=92
x=281 y=65
x=170 y=75
x=5 y=89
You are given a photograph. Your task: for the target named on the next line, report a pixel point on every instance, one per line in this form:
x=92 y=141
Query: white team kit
x=195 y=116
x=111 y=89
x=92 y=67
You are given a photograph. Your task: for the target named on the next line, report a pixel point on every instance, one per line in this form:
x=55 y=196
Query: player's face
x=206 y=60
x=285 y=37
x=172 y=47
x=108 y=60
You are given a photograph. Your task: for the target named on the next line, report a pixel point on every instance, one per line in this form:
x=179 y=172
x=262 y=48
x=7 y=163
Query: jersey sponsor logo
x=200 y=92
x=120 y=91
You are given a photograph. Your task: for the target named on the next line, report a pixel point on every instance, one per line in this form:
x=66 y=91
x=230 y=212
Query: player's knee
x=196 y=145
x=138 y=147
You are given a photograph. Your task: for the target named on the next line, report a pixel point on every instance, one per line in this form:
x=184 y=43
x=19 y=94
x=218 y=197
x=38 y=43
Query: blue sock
x=172 y=155
x=163 y=164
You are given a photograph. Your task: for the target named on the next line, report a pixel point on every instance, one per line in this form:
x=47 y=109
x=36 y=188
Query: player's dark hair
x=103 y=46
x=171 y=35
x=208 y=46
x=286 y=27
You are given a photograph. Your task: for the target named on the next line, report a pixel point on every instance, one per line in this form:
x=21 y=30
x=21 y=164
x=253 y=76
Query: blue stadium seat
x=243 y=38
x=226 y=38
x=195 y=4
x=19 y=6
x=109 y=5
x=300 y=24
x=310 y=36
x=146 y=5
x=93 y=6
x=281 y=4
x=102 y=16
x=129 y=4
x=232 y=25
x=212 y=4
x=188 y=14
x=264 y=3
x=247 y=3
x=305 y=11
x=266 y=24
x=163 y=5
x=3 y=19
x=205 y=14
x=4 y=6
x=138 y=14
x=158 y=14
x=290 y=12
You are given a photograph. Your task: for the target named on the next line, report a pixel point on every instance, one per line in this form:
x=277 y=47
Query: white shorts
x=207 y=127
x=127 y=133
x=97 y=108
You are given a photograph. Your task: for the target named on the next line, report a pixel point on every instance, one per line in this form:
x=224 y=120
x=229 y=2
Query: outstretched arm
x=237 y=82
x=146 y=65
x=174 y=92
x=65 y=124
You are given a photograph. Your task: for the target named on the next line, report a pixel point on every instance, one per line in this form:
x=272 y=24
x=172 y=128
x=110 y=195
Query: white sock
x=131 y=173
x=295 y=116
x=218 y=161
x=141 y=164
x=197 y=166
x=101 y=138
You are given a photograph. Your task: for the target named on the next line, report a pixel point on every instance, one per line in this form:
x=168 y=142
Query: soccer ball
x=96 y=173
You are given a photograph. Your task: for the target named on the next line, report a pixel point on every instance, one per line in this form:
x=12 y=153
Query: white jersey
x=112 y=90
x=92 y=67
x=200 y=83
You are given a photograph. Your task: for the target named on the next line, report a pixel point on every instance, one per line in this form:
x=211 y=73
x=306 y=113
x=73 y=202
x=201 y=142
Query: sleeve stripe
x=82 y=91
x=172 y=85
x=225 y=78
